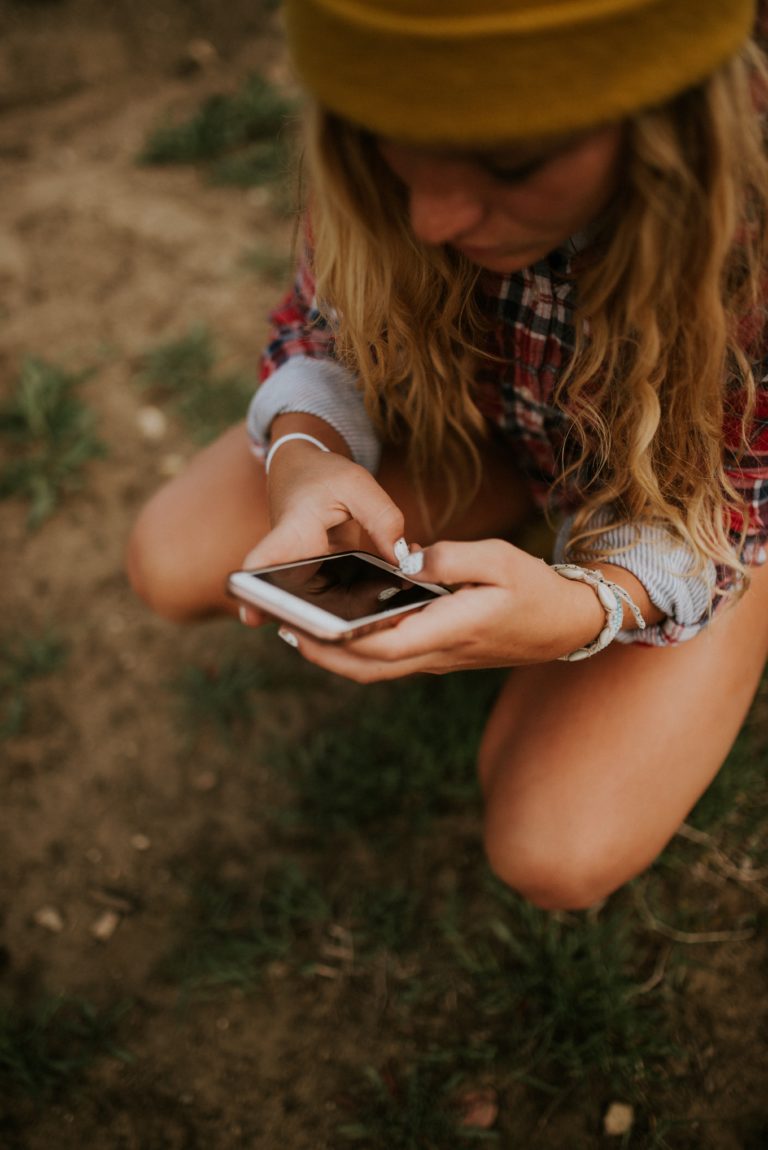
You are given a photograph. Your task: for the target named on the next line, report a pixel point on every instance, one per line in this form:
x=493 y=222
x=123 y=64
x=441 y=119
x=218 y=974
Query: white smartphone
x=334 y=597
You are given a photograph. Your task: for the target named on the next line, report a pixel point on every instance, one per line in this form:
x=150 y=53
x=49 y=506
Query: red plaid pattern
x=532 y=337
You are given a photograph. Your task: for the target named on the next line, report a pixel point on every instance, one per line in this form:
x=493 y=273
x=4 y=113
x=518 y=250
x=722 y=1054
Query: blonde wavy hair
x=663 y=304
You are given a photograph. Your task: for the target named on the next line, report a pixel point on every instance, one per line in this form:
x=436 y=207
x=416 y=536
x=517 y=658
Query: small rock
x=49 y=918
x=478 y=1109
x=116 y=900
x=105 y=925
x=140 y=842
x=618 y=1118
x=198 y=55
x=152 y=422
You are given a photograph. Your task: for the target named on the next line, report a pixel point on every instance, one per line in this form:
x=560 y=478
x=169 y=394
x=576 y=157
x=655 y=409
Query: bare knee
x=155 y=568
x=555 y=858
x=550 y=877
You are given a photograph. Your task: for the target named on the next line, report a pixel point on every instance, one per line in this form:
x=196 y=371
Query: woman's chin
x=493 y=260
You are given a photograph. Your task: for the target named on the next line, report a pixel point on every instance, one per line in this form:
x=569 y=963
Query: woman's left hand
x=509 y=609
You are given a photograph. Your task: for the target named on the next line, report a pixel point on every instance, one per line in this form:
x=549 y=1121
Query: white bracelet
x=611 y=597
x=285 y=439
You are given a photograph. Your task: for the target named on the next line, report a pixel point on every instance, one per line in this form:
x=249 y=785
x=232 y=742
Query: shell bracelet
x=611 y=597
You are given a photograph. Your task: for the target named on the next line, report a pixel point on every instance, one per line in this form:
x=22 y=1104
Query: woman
x=533 y=280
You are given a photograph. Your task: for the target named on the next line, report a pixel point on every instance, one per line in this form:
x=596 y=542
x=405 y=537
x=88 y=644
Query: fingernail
x=401 y=550
x=288 y=637
x=412 y=563
x=243 y=613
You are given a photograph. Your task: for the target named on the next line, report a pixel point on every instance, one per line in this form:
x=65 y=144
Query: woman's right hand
x=321 y=502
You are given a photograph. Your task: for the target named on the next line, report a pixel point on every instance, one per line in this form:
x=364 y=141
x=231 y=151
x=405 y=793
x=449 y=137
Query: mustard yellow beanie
x=459 y=71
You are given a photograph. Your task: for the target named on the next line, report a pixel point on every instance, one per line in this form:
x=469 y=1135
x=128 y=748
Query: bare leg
x=197 y=528
x=589 y=768
x=202 y=523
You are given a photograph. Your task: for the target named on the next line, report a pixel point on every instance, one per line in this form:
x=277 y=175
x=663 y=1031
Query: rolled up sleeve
x=301 y=374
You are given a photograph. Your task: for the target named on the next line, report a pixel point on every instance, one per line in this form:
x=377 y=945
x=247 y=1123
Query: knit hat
x=484 y=71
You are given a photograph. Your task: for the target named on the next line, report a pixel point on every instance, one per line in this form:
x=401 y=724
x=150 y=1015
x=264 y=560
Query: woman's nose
x=442 y=216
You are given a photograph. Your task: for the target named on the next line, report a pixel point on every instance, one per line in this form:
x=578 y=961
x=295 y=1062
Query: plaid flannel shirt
x=532 y=339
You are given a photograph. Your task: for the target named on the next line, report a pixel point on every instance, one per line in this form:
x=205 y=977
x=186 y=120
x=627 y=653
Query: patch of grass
x=23 y=658
x=233 y=930
x=561 y=996
x=48 y=1048
x=411 y=1111
x=183 y=372
x=48 y=436
x=256 y=164
x=386 y=918
x=222 y=696
x=401 y=756
x=730 y=816
x=740 y=783
x=244 y=133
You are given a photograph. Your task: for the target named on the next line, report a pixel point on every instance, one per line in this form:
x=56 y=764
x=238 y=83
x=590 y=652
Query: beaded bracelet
x=611 y=597
x=285 y=439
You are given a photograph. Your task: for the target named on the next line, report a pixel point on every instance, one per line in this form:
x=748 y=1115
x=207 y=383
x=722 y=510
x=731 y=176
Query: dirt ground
x=100 y=260
x=104 y=804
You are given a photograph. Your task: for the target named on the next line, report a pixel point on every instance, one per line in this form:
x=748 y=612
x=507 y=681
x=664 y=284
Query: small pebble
x=618 y=1118
x=140 y=842
x=49 y=918
x=105 y=925
x=152 y=422
x=112 y=900
x=198 y=55
x=479 y=1108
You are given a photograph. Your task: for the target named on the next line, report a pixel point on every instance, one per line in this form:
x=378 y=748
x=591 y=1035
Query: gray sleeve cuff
x=318 y=387
x=662 y=564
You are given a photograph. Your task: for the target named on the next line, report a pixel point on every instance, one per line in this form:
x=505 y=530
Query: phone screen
x=347 y=586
